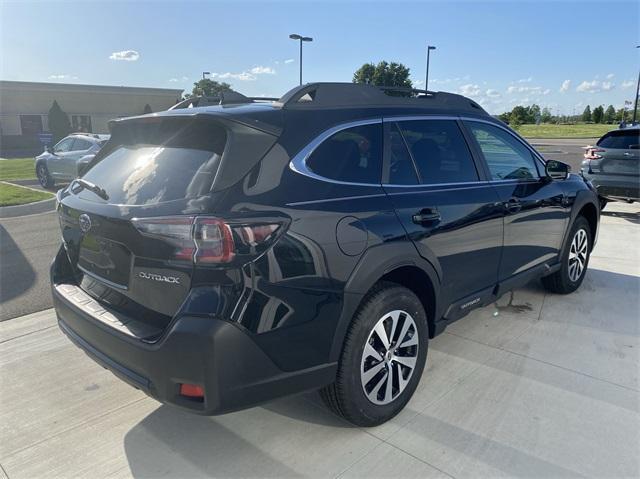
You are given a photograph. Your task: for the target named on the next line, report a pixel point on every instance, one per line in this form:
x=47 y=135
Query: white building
x=24 y=107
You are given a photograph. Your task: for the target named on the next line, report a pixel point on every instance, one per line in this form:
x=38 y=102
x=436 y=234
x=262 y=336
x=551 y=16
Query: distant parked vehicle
x=68 y=158
x=613 y=165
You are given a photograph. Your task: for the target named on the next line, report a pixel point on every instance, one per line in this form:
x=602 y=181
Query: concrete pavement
x=537 y=385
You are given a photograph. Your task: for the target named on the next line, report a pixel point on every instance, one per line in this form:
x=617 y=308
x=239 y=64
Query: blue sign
x=45 y=138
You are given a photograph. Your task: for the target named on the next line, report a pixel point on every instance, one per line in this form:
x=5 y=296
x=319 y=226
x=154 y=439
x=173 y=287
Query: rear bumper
x=233 y=370
x=615 y=186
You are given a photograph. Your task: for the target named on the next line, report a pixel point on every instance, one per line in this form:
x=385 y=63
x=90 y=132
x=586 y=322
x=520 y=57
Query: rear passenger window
x=506 y=157
x=439 y=151
x=401 y=168
x=623 y=139
x=353 y=155
x=80 y=145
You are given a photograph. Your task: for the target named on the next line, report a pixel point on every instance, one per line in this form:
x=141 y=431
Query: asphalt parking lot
x=536 y=385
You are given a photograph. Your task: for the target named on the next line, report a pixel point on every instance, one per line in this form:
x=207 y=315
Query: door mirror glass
x=557 y=170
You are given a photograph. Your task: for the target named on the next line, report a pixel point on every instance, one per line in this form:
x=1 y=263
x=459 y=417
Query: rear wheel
x=44 y=178
x=574 y=260
x=383 y=357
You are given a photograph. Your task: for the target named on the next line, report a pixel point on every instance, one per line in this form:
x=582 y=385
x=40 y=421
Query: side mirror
x=556 y=170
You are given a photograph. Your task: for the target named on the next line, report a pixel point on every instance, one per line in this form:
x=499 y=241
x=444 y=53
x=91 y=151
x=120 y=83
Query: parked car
x=218 y=257
x=68 y=158
x=613 y=165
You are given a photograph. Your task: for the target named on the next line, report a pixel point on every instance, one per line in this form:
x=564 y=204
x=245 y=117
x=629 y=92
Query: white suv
x=67 y=159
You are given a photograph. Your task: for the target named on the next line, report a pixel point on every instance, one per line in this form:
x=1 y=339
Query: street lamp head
x=295 y=36
x=431 y=47
x=307 y=39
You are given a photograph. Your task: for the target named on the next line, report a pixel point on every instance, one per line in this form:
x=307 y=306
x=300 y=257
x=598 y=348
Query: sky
x=559 y=54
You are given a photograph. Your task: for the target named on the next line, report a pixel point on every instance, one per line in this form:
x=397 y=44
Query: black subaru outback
x=217 y=257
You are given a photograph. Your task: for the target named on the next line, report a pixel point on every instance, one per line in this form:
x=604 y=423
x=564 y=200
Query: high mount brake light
x=205 y=239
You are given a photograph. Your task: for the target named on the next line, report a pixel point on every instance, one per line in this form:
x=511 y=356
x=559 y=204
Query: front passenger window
x=506 y=157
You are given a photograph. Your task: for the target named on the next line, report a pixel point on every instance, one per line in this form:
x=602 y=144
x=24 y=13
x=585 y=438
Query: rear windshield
x=158 y=160
x=621 y=139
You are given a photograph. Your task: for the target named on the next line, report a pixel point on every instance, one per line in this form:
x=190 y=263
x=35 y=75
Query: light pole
x=204 y=74
x=295 y=36
x=635 y=107
x=426 y=82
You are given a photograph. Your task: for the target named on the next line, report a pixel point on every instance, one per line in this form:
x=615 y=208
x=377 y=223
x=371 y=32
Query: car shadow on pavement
x=12 y=284
x=631 y=217
x=174 y=443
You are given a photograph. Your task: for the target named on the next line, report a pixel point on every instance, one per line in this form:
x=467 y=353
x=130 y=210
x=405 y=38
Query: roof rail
x=328 y=95
x=230 y=97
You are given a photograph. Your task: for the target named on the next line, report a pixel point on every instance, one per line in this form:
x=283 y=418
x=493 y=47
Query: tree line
x=533 y=114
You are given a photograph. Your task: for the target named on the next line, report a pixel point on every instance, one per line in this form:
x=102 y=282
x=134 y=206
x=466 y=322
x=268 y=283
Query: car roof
x=345 y=101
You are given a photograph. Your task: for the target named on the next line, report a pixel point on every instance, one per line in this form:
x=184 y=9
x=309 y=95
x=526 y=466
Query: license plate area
x=105 y=260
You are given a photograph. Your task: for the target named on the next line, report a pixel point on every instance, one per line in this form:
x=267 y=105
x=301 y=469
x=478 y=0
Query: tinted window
x=620 y=139
x=353 y=155
x=439 y=151
x=80 y=144
x=401 y=169
x=159 y=161
x=507 y=157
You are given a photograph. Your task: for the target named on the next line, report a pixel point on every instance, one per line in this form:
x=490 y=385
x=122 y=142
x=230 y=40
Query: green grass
x=11 y=195
x=17 y=169
x=565 y=131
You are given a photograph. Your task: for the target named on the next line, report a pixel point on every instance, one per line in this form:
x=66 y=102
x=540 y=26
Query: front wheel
x=575 y=260
x=44 y=178
x=383 y=357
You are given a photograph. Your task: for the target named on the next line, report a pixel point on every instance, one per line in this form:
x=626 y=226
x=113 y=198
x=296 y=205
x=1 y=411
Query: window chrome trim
x=393 y=119
x=299 y=161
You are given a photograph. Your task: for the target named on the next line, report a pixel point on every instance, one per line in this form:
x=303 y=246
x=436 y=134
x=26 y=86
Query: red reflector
x=191 y=390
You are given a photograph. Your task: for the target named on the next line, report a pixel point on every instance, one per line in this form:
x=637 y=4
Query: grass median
x=12 y=195
x=17 y=169
x=565 y=131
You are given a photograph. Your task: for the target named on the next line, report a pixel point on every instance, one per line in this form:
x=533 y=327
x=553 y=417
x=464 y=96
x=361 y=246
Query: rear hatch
x=128 y=223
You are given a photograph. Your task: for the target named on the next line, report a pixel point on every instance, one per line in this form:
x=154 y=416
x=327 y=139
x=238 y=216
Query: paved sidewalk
x=537 y=385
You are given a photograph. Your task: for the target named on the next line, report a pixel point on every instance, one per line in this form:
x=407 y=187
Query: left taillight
x=209 y=240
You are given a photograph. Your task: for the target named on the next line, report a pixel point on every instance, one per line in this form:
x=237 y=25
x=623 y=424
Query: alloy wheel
x=389 y=357
x=42 y=175
x=578 y=255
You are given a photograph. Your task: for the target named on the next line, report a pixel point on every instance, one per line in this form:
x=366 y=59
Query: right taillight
x=209 y=240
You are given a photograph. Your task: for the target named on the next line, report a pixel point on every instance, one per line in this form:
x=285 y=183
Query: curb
x=28 y=209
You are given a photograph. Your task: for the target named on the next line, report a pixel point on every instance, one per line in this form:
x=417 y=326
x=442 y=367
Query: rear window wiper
x=91 y=187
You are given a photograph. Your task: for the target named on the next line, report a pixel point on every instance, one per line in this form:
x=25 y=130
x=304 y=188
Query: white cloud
x=469 y=89
x=565 y=86
x=63 y=77
x=491 y=93
x=595 y=86
x=418 y=83
x=626 y=84
x=524 y=89
x=176 y=80
x=260 y=70
x=547 y=91
x=173 y=80
x=126 y=55
x=243 y=76
x=525 y=80
x=610 y=76
x=289 y=60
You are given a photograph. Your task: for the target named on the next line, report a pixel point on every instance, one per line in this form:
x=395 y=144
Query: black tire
x=346 y=396
x=44 y=178
x=561 y=281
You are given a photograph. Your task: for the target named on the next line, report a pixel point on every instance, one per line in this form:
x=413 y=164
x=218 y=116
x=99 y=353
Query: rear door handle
x=425 y=216
x=513 y=205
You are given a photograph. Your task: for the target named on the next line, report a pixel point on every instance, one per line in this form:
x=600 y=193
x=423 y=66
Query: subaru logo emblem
x=85 y=222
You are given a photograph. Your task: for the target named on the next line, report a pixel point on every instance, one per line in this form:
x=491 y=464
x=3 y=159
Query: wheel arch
x=590 y=213
x=399 y=263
